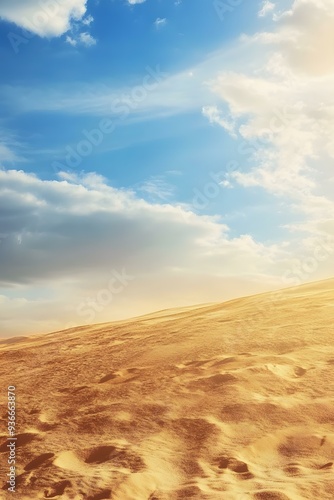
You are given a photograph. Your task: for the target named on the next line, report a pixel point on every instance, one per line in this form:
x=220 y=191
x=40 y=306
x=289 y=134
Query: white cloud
x=283 y=109
x=87 y=39
x=214 y=116
x=305 y=37
x=160 y=22
x=267 y=7
x=60 y=240
x=135 y=2
x=84 y=39
x=46 y=19
x=87 y=20
x=72 y=41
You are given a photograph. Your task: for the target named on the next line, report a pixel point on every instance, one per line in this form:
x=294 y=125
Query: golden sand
x=231 y=401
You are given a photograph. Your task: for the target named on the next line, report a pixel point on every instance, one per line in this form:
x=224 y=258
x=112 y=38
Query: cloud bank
x=61 y=240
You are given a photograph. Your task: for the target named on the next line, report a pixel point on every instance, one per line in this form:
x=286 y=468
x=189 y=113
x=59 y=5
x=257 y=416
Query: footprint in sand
x=292 y=470
x=106 y=378
x=38 y=461
x=189 y=492
x=270 y=495
x=101 y=495
x=73 y=390
x=236 y=466
x=119 y=458
x=329 y=465
x=286 y=371
x=21 y=440
x=57 y=489
x=121 y=376
x=101 y=454
x=213 y=382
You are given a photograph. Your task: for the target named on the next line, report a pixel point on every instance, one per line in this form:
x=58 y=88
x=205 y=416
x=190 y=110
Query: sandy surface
x=231 y=401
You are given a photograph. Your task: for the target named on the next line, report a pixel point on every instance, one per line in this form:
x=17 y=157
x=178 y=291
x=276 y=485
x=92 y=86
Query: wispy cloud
x=160 y=22
x=215 y=116
x=267 y=7
x=153 y=94
x=156 y=188
x=173 y=94
x=87 y=20
x=11 y=150
x=84 y=39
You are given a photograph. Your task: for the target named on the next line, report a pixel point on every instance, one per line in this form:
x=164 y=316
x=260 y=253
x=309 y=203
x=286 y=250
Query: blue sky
x=127 y=42
x=188 y=116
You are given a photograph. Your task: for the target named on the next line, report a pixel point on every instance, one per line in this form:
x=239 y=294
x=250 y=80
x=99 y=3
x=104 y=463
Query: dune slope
x=231 y=401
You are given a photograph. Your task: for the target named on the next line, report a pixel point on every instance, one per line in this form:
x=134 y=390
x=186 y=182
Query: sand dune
x=231 y=401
